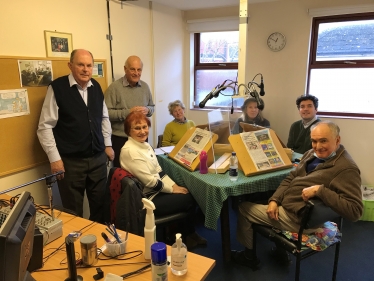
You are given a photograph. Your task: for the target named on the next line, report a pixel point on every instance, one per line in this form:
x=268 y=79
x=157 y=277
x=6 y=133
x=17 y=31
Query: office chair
x=315 y=214
x=159 y=140
x=128 y=213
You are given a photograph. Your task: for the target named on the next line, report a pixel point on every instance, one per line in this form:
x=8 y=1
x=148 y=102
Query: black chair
x=159 y=140
x=130 y=214
x=315 y=214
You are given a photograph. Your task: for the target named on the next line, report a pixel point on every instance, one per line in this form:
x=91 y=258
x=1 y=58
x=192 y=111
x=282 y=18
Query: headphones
x=260 y=107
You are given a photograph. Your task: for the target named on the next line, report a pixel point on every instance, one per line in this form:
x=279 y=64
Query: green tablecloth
x=211 y=190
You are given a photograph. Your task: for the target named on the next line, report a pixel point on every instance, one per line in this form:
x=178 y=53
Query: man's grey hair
x=332 y=126
x=131 y=58
x=174 y=104
x=73 y=54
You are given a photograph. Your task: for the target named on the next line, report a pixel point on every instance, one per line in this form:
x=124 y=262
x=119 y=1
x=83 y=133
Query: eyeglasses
x=138 y=128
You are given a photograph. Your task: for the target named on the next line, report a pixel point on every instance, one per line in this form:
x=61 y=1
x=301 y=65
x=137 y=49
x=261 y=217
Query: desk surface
x=211 y=190
x=55 y=267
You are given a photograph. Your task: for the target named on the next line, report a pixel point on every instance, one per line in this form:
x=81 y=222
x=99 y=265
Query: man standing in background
x=123 y=96
x=74 y=131
x=299 y=135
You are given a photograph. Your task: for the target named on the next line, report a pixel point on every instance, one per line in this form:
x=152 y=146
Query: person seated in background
x=327 y=171
x=251 y=115
x=299 y=135
x=175 y=130
x=138 y=158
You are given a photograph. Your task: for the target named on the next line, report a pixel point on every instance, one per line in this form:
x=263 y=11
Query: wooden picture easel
x=247 y=165
x=195 y=164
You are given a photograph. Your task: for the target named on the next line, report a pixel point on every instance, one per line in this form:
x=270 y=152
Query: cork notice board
x=20 y=147
x=245 y=160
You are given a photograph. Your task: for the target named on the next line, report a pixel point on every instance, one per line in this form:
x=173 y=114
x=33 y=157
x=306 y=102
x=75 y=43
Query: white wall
x=168 y=56
x=285 y=71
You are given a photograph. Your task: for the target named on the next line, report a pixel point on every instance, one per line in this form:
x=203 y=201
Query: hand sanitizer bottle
x=149 y=227
x=178 y=256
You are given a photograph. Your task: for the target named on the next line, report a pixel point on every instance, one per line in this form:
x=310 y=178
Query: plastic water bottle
x=233 y=172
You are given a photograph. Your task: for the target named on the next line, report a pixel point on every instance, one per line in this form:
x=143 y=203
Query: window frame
x=352 y=63
x=207 y=66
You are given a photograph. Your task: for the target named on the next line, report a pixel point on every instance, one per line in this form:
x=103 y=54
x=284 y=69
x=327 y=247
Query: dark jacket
x=340 y=189
x=125 y=201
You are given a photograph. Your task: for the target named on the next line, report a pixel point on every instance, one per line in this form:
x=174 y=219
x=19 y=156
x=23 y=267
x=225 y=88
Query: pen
x=110 y=231
x=105 y=237
x=108 y=225
x=127 y=231
x=116 y=234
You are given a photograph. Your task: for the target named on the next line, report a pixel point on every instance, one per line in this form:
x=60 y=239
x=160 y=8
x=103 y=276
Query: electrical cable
x=136 y=271
x=136 y=252
x=59 y=248
x=101 y=265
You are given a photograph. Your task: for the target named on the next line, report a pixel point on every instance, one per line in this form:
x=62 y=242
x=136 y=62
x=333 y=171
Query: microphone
x=208 y=97
x=260 y=104
x=262 y=91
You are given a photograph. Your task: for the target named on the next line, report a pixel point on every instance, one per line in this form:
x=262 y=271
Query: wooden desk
x=211 y=192
x=198 y=266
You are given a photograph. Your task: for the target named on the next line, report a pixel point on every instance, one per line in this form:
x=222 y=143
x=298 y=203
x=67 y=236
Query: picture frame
x=58 y=44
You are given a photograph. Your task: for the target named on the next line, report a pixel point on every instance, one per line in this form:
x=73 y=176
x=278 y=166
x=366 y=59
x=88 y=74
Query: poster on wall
x=14 y=103
x=35 y=73
x=97 y=70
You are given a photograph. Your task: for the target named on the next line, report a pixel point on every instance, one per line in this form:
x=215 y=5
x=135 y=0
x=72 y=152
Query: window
x=216 y=60
x=341 y=65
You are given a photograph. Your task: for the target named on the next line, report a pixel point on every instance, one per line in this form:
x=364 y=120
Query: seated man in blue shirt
x=299 y=135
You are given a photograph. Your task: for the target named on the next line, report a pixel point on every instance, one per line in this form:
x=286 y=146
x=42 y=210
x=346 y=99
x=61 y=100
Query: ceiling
x=202 y=4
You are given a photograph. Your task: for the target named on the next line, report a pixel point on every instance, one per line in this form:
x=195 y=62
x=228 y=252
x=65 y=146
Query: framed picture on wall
x=58 y=44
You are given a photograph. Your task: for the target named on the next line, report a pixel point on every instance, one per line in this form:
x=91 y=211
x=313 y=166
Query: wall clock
x=276 y=41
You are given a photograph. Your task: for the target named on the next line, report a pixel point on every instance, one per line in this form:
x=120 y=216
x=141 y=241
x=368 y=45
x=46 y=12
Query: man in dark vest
x=74 y=131
x=299 y=135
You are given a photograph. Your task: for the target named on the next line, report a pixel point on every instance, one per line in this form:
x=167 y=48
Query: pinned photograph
x=35 y=73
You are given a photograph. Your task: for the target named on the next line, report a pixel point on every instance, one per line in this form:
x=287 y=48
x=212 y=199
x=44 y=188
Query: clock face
x=276 y=41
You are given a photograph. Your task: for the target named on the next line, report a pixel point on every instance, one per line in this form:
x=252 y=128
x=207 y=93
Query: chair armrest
x=320 y=214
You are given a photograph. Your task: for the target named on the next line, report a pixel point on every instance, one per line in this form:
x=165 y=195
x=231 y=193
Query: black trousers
x=84 y=174
x=172 y=203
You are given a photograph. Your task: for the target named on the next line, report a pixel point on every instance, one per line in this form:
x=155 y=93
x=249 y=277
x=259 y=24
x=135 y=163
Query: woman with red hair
x=138 y=158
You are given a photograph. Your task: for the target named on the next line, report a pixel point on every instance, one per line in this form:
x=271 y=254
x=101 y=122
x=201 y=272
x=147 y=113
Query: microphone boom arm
x=31 y=182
